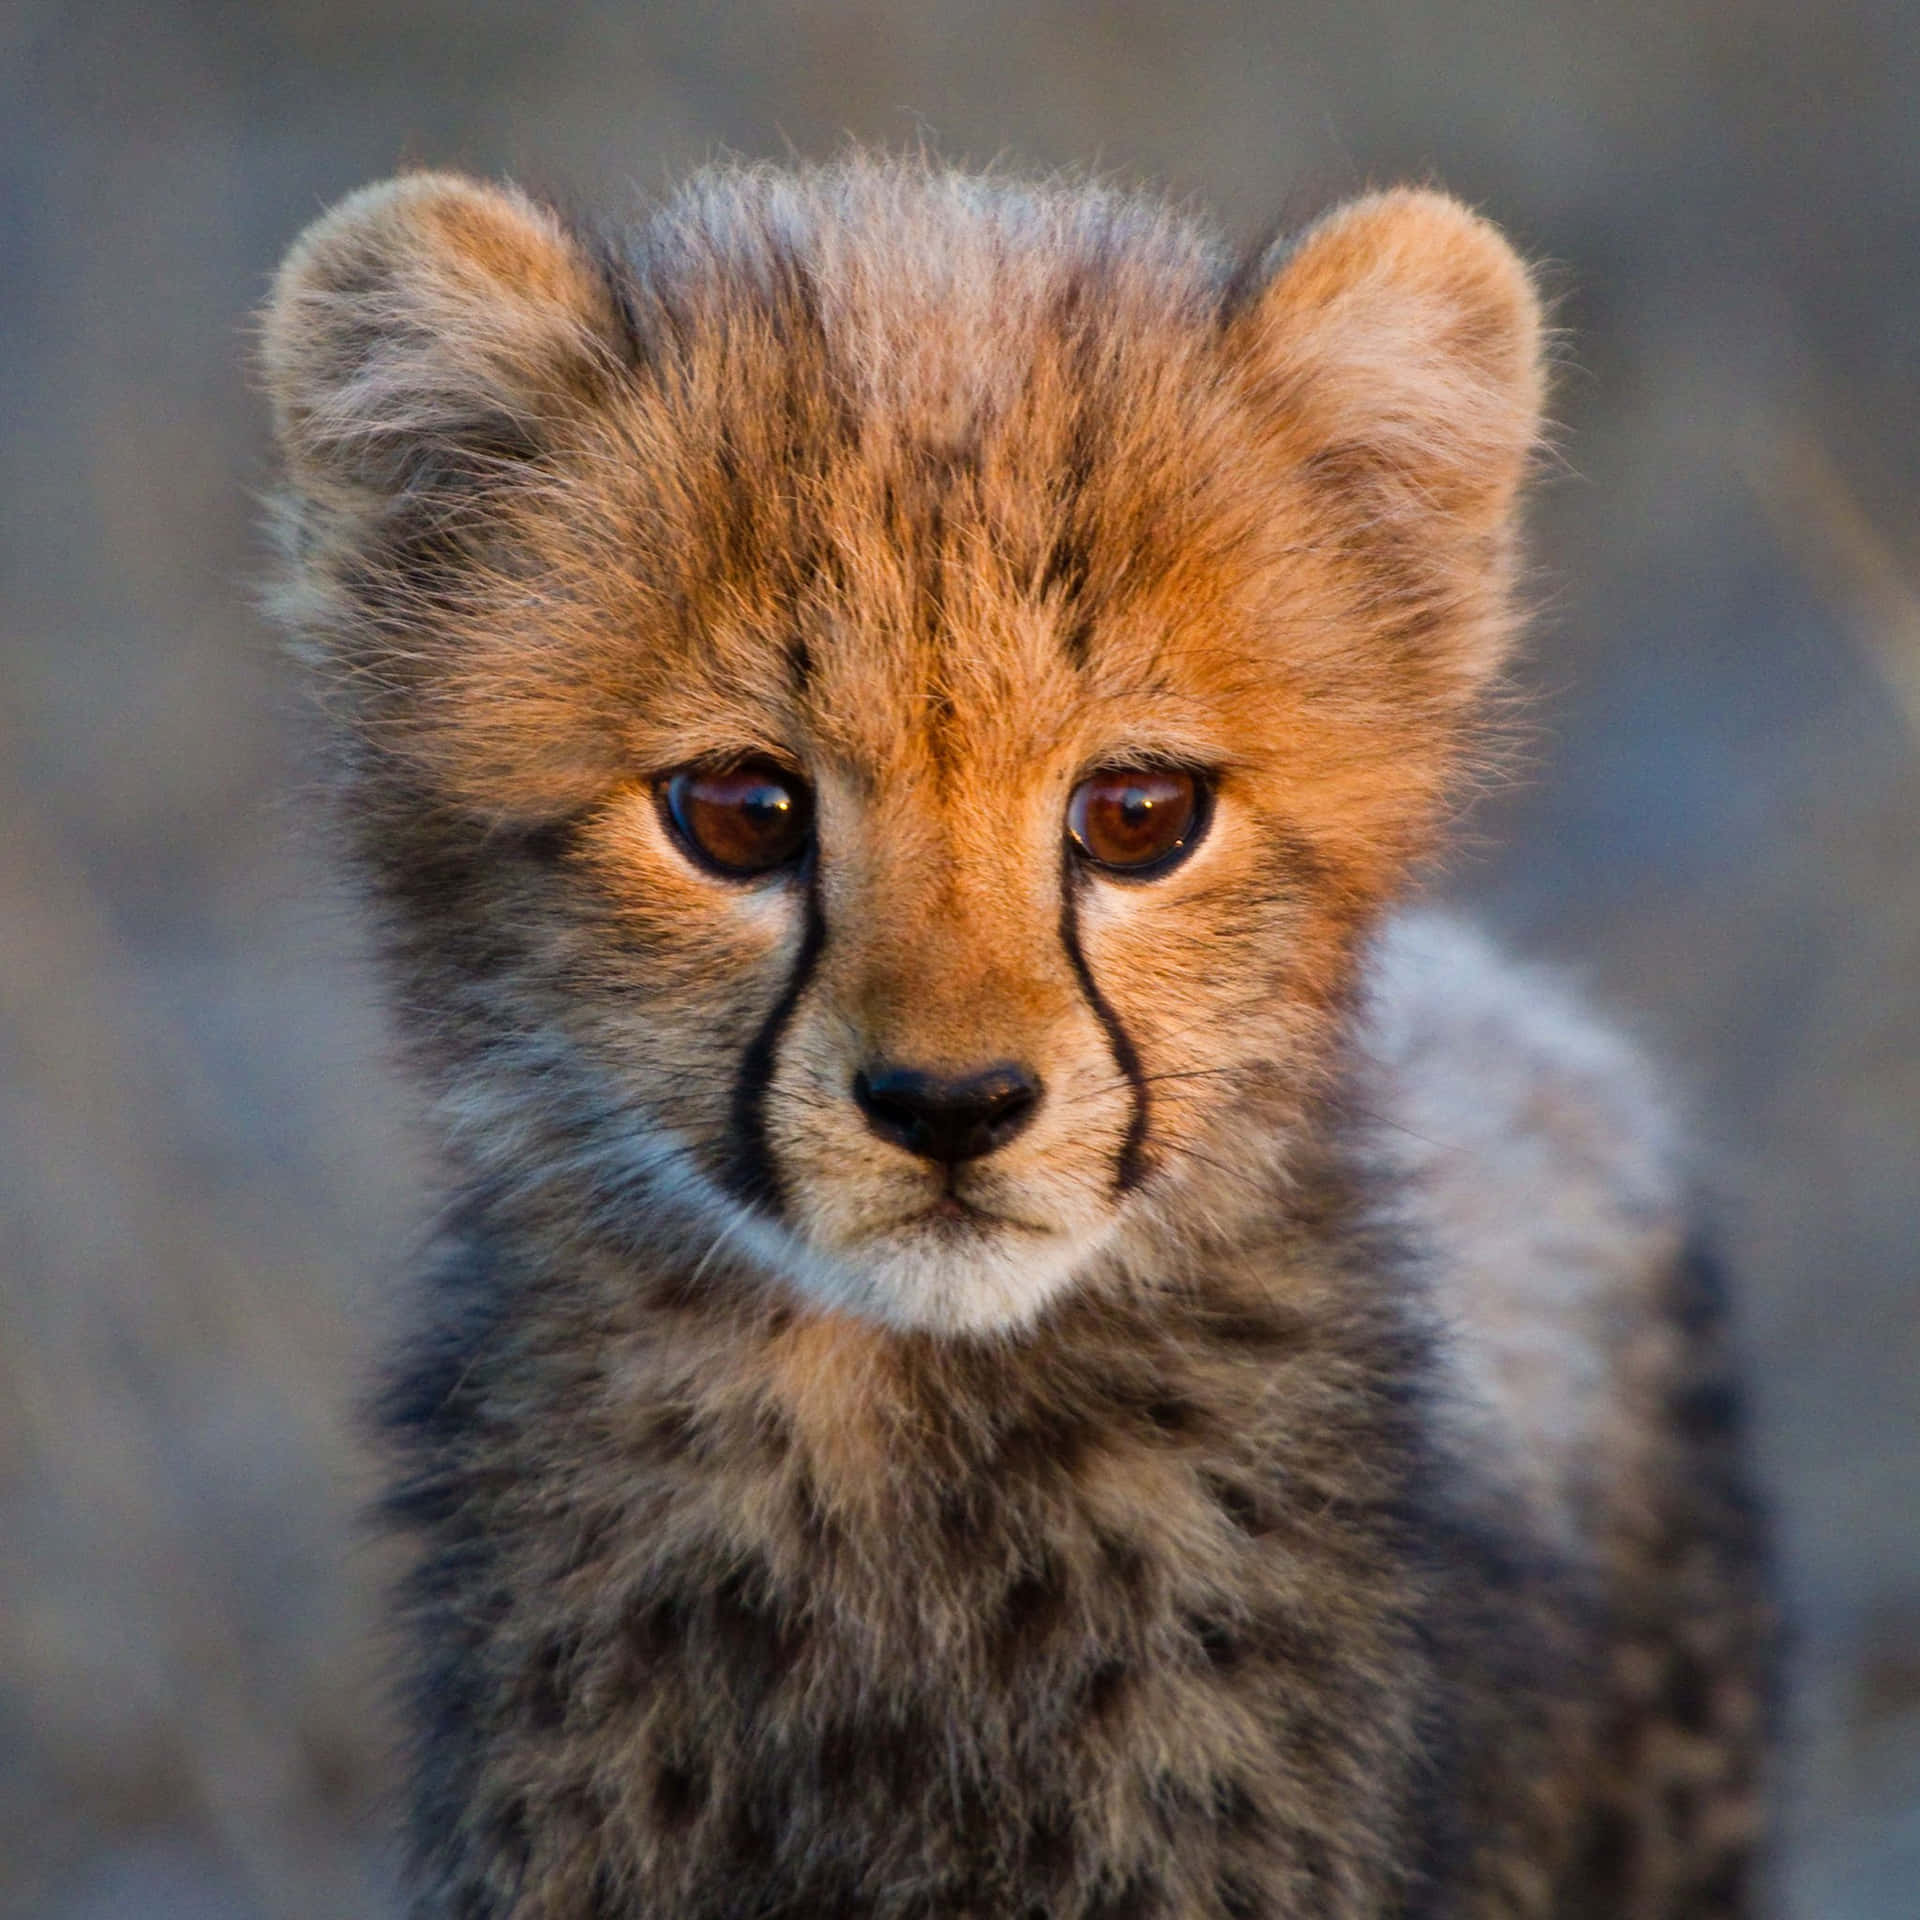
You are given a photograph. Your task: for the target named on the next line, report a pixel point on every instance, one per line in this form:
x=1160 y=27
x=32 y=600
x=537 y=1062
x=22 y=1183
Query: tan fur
x=1118 y=1522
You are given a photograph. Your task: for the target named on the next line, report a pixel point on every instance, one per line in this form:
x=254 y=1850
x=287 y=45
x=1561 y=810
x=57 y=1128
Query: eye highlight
x=742 y=820
x=1137 y=821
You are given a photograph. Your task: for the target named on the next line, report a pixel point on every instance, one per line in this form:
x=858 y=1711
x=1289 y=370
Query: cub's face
x=879 y=713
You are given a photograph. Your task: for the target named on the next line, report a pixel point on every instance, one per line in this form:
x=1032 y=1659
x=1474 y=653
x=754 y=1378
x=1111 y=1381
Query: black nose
x=944 y=1118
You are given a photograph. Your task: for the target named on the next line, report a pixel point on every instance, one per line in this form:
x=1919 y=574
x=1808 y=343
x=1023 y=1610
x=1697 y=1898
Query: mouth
x=948 y=1262
x=950 y=1209
x=952 y=1217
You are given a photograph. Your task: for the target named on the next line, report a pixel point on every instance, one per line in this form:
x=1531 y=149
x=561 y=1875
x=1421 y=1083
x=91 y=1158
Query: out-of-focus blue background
x=208 y=1175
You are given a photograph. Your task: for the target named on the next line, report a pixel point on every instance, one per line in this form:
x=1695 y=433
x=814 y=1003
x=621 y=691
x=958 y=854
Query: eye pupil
x=1129 y=820
x=740 y=820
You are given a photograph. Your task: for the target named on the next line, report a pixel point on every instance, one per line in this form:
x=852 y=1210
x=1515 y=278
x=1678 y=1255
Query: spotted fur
x=1218 y=1500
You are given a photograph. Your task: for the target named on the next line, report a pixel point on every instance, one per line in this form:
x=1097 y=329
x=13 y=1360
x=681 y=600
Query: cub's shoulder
x=1527 y=1150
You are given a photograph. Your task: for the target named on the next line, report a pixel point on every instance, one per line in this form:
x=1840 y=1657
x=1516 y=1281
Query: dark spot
x=471 y=1900
x=839 y=1748
x=1067 y=567
x=1103 y=1689
x=954 y=465
x=1343 y=467
x=1292 y=866
x=965 y=1515
x=897 y=1753
x=933 y=615
x=677 y=1290
x=1316 y=1868
x=652 y=1633
x=1171 y=1415
x=1681 y=1804
x=800 y=665
x=1699 y=1288
x=669 y=1432
x=1603 y=1868
x=1234 y=1808
x=1417 y=624
x=450 y=1699
x=1136 y=1898
x=1046 y=1446
x=549 y=1684
x=1050 y=1844
x=552 y=841
x=1223 y=1648
x=591 y=1542
x=1064 y=577
x=753 y=1831
x=577 y=1811
x=1123 y=1562
x=510 y=1832
x=679 y=1794
x=1181 y=1816
x=1239 y=1503
x=1071 y=294
x=1033 y=1608
x=756 y=1639
x=1707 y=1410
x=605 y=1900
x=1286 y=1639
x=427 y=1501
x=1688 y=1696
x=773 y=1431
x=1723 y=1889
x=1248 y=1327
x=810 y=1516
x=1238 y=1900
x=1312 y=1738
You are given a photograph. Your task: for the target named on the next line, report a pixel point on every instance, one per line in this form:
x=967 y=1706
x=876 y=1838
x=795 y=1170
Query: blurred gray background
x=209 y=1181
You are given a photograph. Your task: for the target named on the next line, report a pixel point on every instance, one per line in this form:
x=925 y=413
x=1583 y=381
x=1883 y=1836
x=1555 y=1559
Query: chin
x=952 y=1271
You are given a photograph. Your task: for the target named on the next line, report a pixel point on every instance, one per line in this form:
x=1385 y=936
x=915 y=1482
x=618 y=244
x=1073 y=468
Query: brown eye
x=1137 y=819
x=740 y=820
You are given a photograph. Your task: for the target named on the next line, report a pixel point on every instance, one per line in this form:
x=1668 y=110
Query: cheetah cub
x=1012 y=1342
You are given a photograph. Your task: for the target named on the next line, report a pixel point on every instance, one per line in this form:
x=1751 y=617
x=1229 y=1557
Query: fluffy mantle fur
x=1300 y=1473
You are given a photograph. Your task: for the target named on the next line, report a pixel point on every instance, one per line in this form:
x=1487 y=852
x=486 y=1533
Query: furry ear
x=1397 y=348
x=432 y=328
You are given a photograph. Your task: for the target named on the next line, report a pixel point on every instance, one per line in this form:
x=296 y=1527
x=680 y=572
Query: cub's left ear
x=1396 y=351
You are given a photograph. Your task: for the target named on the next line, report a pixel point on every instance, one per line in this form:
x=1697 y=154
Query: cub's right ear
x=428 y=330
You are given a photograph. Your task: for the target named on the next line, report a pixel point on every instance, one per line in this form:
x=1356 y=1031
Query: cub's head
x=879 y=705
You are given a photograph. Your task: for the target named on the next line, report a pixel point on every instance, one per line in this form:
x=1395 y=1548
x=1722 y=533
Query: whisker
x=1120 y=1083
x=1379 y=1119
x=1184 y=1149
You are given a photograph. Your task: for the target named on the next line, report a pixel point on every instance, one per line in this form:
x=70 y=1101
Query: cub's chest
x=1002 y=1646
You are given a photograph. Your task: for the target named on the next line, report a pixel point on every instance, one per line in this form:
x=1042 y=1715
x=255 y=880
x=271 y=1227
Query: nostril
x=944 y=1117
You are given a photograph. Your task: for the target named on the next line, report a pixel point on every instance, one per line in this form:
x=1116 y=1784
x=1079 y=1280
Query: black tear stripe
x=750 y=1175
x=1130 y=1164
